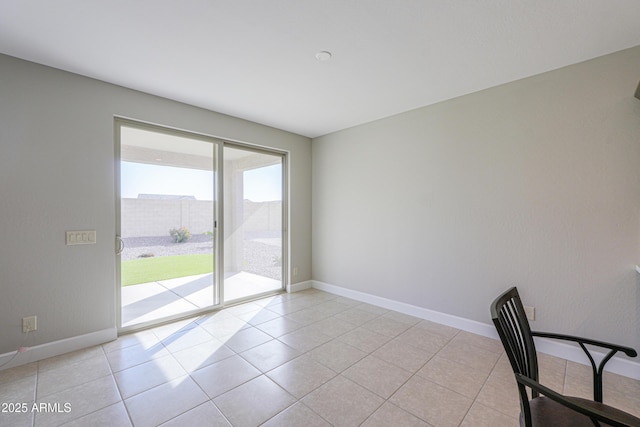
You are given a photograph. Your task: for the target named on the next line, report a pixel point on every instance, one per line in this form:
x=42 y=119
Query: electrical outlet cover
x=530 y=312
x=29 y=324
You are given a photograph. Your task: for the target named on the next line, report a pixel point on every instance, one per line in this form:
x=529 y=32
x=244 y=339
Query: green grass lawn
x=143 y=270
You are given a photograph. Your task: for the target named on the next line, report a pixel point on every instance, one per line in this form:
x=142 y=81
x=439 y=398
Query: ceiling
x=255 y=59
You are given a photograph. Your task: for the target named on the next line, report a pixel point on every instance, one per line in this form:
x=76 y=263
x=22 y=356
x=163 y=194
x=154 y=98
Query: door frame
x=119 y=122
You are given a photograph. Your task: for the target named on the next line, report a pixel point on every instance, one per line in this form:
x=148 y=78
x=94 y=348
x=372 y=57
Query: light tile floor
x=303 y=359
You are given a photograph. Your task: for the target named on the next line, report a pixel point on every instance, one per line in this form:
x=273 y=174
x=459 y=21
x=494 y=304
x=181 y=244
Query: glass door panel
x=253 y=223
x=167 y=225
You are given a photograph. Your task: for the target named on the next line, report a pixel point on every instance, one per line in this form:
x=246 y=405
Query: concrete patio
x=155 y=300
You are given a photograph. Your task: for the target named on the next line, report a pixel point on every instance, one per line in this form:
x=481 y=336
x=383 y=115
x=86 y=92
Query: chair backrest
x=513 y=328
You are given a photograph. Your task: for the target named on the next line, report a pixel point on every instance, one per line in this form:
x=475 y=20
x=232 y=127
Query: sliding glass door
x=200 y=223
x=167 y=223
x=254 y=254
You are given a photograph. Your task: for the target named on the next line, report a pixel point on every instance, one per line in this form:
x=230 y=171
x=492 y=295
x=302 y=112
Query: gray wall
x=57 y=174
x=534 y=183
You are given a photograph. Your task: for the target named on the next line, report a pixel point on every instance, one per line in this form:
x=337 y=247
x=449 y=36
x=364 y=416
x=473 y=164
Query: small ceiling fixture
x=323 y=55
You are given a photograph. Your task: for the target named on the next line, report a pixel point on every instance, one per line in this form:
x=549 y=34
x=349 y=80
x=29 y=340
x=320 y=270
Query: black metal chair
x=548 y=407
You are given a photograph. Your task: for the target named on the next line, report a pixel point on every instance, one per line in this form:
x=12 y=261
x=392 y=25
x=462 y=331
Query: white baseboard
x=56 y=348
x=301 y=286
x=617 y=365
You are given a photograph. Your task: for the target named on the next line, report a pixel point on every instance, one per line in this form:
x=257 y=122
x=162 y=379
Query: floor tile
x=164 y=402
x=222 y=376
x=621 y=384
x=403 y=355
x=279 y=326
x=148 y=375
x=386 y=326
x=431 y=402
x=342 y=300
x=290 y=306
x=111 y=416
x=364 y=339
x=390 y=415
x=482 y=416
x=135 y=355
x=308 y=315
x=72 y=374
x=18 y=391
x=297 y=415
x=331 y=307
x=332 y=327
x=622 y=392
x=18 y=373
x=301 y=375
x=423 y=339
x=186 y=339
x=579 y=371
x=274 y=299
x=401 y=317
x=501 y=395
x=246 y=339
x=475 y=357
x=164 y=331
x=378 y=376
x=239 y=309
x=206 y=414
x=553 y=379
x=82 y=400
x=269 y=355
x=253 y=402
x=69 y=358
x=578 y=387
x=626 y=402
x=304 y=339
x=453 y=375
x=436 y=328
x=259 y=316
x=225 y=327
x=373 y=309
x=489 y=344
x=145 y=338
x=503 y=370
x=337 y=355
x=213 y=317
x=342 y=402
x=18 y=418
x=202 y=355
x=356 y=316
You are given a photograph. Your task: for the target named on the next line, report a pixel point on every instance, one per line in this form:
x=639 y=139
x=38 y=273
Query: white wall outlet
x=29 y=324
x=530 y=312
x=295 y=271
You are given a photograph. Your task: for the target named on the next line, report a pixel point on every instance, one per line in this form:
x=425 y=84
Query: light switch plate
x=80 y=237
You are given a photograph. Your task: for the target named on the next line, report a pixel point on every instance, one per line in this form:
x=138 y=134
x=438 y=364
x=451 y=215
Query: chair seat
x=546 y=412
